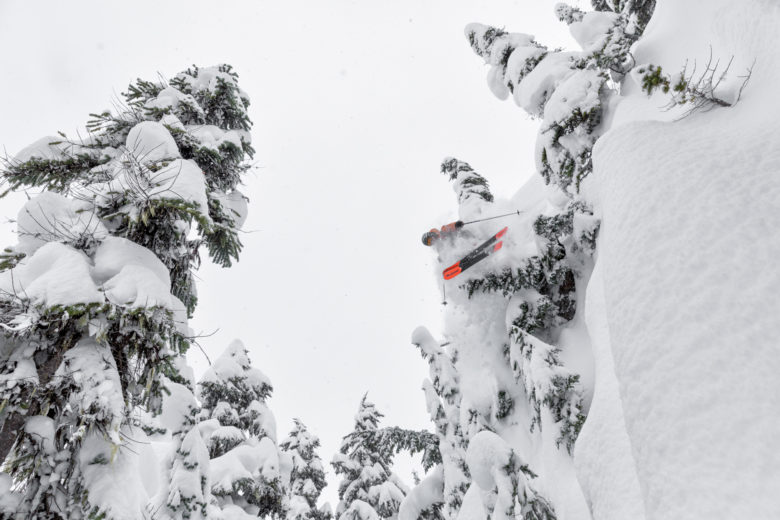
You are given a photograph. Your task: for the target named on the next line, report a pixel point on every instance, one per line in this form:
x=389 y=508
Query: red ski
x=482 y=251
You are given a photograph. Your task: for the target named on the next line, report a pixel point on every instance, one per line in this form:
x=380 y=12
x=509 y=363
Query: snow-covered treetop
x=234 y=393
x=369 y=489
x=301 y=442
x=568 y=90
x=467 y=183
x=232 y=376
x=367 y=416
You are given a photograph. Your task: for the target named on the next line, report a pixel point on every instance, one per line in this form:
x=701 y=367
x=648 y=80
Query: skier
x=451 y=230
x=448 y=230
x=482 y=251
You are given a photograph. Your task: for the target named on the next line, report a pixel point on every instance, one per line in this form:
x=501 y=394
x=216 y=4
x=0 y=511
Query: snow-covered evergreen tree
x=186 y=491
x=567 y=90
x=369 y=490
x=443 y=399
x=307 y=478
x=95 y=296
x=240 y=435
x=507 y=345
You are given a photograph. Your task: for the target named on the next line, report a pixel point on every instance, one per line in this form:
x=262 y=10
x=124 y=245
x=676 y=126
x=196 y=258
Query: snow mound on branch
x=507 y=41
x=516 y=64
x=472 y=507
x=113 y=477
x=181 y=180
x=233 y=512
x=230 y=433
x=246 y=461
x=591 y=32
x=116 y=253
x=212 y=136
x=151 y=142
x=41 y=429
x=423 y=496
x=177 y=406
x=137 y=286
x=480 y=42
x=208 y=79
x=389 y=493
x=487 y=451
x=23 y=372
x=56 y=274
x=576 y=93
x=41 y=149
x=51 y=217
x=236 y=204
x=495 y=81
x=532 y=93
x=92 y=369
x=359 y=510
x=172 y=121
x=207 y=427
x=265 y=421
x=298 y=508
x=170 y=97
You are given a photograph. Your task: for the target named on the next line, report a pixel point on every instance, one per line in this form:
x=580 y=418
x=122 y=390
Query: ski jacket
x=446 y=230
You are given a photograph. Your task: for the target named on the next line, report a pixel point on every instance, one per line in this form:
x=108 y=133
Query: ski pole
x=517 y=212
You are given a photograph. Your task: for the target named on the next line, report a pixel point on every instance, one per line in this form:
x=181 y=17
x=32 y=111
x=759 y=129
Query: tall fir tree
x=241 y=435
x=369 y=490
x=307 y=478
x=513 y=310
x=569 y=91
x=95 y=297
x=541 y=298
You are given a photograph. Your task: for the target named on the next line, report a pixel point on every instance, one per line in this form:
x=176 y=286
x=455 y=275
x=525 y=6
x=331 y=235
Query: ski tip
x=502 y=232
x=452 y=271
x=498 y=246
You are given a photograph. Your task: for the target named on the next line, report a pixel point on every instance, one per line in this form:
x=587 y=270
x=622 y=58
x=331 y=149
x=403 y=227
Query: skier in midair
x=481 y=252
x=447 y=231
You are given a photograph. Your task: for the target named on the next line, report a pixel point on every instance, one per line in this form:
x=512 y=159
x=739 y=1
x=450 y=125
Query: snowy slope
x=689 y=240
x=602 y=456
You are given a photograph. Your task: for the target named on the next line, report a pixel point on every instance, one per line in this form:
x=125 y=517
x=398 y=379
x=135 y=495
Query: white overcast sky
x=354 y=105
